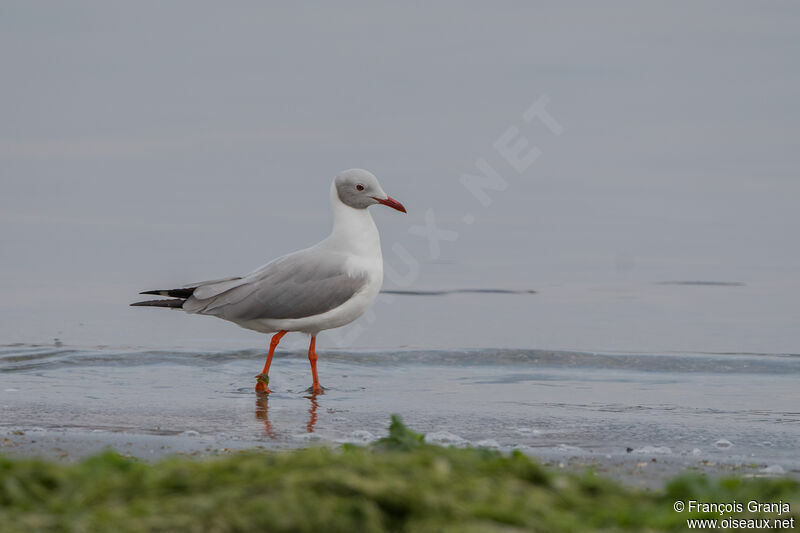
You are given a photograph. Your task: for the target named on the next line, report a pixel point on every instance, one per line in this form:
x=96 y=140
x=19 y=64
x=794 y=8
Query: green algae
x=398 y=484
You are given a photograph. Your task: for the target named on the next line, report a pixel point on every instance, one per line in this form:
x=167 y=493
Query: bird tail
x=173 y=303
x=182 y=294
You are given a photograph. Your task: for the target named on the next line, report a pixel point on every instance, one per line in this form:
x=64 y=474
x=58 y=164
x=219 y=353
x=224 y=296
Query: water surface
x=624 y=410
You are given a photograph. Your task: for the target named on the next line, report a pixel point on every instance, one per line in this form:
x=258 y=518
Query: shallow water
x=687 y=410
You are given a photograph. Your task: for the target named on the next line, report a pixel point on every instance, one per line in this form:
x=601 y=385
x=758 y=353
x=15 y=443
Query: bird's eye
x=359 y=187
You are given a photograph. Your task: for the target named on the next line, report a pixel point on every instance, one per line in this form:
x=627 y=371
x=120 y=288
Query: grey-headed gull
x=318 y=288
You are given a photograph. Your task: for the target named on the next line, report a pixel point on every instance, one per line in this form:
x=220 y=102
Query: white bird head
x=360 y=189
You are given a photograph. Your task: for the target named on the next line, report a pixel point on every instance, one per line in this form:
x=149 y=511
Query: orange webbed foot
x=315 y=390
x=262 y=384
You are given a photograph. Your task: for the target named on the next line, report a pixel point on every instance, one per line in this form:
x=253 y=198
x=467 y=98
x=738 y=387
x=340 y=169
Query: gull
x=322 y=287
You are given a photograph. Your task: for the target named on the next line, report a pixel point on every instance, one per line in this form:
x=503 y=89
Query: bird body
x=322 y=287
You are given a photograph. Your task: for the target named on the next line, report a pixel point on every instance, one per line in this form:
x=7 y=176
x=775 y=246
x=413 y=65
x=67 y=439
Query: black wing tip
x=174 y=304
x=174 y=293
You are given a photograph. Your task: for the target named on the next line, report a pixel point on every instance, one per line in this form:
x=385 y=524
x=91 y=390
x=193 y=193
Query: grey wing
x=302 y=284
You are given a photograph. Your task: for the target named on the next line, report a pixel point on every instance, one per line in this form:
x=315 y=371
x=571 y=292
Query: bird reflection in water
x=312 y=413
x=262 y=413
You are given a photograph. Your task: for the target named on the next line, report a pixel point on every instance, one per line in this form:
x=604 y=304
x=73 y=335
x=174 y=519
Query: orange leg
x=312 y=358
x=262 y=380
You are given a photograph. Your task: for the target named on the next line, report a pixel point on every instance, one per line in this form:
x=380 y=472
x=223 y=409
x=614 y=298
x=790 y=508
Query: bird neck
x=353 y=229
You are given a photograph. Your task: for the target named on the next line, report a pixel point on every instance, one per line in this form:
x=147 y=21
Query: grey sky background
x=148 y=143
